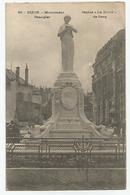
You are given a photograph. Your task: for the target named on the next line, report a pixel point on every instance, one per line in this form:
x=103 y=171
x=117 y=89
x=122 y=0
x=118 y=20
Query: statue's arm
x=73 y=29
x=62 y=30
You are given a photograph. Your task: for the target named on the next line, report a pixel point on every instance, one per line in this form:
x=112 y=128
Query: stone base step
x=69 y=126
x=69 y=133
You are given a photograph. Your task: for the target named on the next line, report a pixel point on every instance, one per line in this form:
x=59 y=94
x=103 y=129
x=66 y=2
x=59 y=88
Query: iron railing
x=65 y=152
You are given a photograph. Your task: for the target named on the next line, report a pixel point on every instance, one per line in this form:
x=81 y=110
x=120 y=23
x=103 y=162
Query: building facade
x=24 y=101
x=46 y=108
x=10 y=95
x=88 y=105
x=108 y=83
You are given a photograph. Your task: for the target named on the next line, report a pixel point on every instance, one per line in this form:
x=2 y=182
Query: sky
x=34 y=40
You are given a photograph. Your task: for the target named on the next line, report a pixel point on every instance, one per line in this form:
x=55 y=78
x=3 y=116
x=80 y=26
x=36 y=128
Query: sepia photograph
x=65 y=96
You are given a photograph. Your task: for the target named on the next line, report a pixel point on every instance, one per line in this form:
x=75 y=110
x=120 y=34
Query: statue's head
x=67 y=19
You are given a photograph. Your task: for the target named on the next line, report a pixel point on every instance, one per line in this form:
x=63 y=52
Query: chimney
x=26 y=75
x=17 y=73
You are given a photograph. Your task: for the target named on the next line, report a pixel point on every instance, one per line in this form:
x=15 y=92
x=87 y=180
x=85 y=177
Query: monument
x=68 y=119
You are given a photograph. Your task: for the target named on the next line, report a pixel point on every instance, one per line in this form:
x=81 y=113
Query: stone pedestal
x=68 y=119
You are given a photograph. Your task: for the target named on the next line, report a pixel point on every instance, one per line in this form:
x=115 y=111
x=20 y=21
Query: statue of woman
x=67 y=44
